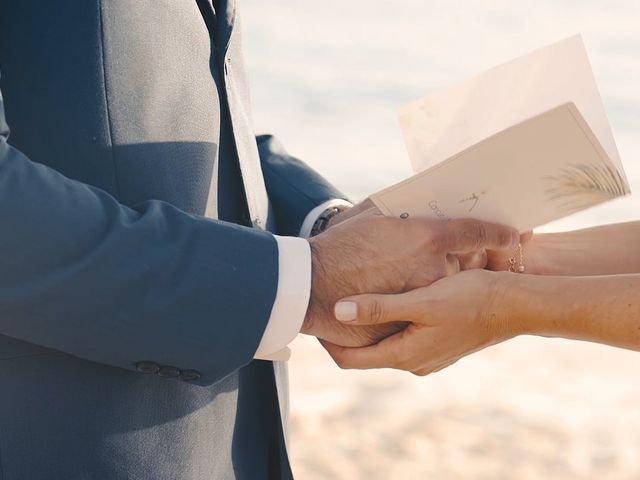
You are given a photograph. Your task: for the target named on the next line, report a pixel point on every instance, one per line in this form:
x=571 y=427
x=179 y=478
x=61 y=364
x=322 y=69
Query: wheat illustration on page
x=582 y=185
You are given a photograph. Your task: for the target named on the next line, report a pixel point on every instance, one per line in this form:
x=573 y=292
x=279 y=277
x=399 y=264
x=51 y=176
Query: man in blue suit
x=139 y=275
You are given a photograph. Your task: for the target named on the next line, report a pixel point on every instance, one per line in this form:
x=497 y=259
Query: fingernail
x=346 y=311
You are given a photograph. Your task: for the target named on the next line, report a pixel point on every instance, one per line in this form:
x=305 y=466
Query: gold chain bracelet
x=516 y=265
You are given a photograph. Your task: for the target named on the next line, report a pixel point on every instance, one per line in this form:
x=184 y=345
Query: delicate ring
x=517 y=265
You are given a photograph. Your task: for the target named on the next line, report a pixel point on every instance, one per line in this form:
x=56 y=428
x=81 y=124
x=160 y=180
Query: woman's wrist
x=553 y=306
x=507 y=308
x=542 y=254
x=602 y=309
x=579 y=253
x=528 y=303
x=550 y=254
x=528 y=256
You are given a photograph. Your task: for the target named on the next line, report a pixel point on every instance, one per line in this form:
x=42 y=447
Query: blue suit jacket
x=136 y=275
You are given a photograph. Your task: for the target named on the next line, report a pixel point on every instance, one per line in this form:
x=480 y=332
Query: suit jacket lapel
x=219 y=16
x=208 y=14
x=227 y=9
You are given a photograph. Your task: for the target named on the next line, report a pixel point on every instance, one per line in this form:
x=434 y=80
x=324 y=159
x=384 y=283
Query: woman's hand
x=450 y=319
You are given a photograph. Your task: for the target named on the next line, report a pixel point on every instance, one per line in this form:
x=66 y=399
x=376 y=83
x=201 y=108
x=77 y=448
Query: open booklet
x=523 y=144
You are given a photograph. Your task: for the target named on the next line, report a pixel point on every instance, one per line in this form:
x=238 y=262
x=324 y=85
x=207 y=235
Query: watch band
x=322 y=222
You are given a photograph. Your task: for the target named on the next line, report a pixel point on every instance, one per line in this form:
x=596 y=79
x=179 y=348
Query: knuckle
x=452 y=265
x=475 y=233
x=376 y=311
x=482 y=259
x=505 y=236
x=502 y=235
x=433 y=240
x=480 y=234
x=477 y=260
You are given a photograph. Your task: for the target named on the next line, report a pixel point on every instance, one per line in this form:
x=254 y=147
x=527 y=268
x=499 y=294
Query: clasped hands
x=387 y=292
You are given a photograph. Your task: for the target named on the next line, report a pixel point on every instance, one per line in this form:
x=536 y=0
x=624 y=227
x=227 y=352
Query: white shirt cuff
x=292 y=299
x=312 y=216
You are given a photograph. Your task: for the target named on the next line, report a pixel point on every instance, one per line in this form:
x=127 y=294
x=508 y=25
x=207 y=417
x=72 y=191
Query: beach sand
x=528 y=409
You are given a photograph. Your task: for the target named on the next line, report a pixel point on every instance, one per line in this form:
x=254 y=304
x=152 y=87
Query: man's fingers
x=372 y=309
x=428 y=370
x=467 y=235
x=473 y=260
x=452 y=264
x=526 y=236
x=386 y=354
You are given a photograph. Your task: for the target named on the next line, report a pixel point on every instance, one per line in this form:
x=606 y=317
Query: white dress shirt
x=294 y=289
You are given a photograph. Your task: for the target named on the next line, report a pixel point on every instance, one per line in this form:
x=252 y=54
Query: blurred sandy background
x=328 y=79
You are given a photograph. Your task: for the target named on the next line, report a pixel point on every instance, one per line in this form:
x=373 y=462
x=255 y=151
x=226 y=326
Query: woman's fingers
x=448 y=320
x=372 y=309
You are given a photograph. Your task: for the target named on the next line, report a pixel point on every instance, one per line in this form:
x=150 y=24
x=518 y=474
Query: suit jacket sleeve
x=294 y=188
x=82 y=274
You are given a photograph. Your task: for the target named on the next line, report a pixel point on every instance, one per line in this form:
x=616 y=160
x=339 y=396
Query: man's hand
x=466 y=260
x=370 y=253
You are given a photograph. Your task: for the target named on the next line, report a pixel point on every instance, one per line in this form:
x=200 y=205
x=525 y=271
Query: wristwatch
x=322 y=222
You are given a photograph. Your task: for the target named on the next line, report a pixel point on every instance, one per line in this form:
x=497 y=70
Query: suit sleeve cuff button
x=169 y=372
x=147 y=367
x=189 y=375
